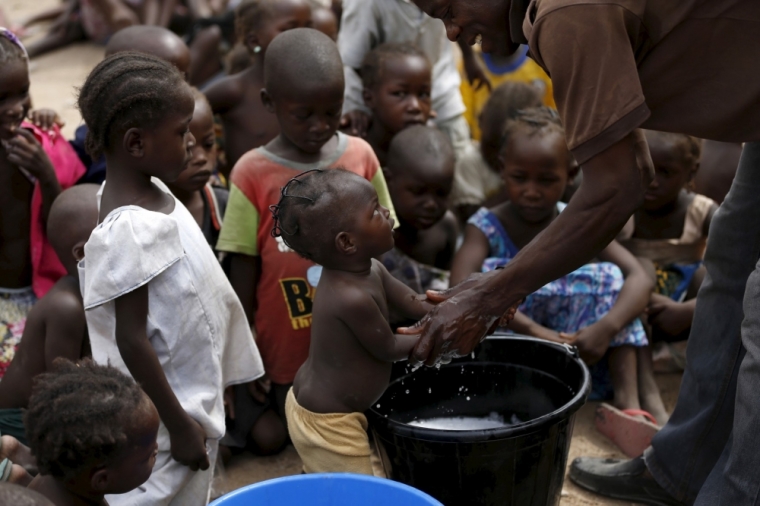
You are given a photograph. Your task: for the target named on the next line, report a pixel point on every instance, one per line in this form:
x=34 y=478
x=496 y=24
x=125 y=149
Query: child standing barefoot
x=397 y=82
x=304 y=90
x=595 y=307
x=237 y=99
x=420 y=172
x=334 y=218
x=158 y=304
x=93 y=432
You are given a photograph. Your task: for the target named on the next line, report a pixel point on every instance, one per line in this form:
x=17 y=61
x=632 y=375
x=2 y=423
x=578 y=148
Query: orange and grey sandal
x=631 y=434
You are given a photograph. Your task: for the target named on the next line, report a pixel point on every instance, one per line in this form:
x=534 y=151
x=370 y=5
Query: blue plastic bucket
x=327 y=490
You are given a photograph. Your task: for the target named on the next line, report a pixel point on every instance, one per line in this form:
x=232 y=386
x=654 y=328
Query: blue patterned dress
x=569 y=303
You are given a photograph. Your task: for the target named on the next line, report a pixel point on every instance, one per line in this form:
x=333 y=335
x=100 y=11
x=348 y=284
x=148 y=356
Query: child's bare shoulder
x=226 y=93
x=64 y=301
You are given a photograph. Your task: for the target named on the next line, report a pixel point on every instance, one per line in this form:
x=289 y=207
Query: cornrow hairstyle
x=78 y=415
x=126 y=90
x=537 y=120
x=310 y=212
x=374 y=62
x=11 y=47
x=689 y=148
x=249 y=15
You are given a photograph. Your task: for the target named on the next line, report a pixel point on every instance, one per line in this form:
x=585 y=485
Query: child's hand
x=25 y=152
x=668 y=315
x=355 y=123
x=592 y=341
x=260 y=389
x=45 y=119
x=188 y=446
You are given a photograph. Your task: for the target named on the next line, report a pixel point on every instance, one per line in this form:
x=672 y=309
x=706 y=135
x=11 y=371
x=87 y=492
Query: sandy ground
x=54 y=80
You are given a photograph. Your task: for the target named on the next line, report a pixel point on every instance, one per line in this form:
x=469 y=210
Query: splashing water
x=492 y=421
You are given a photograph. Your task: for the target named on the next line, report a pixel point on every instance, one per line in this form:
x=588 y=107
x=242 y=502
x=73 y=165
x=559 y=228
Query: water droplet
x=472 y=355
x=430 y=390
x=407 y=391
x=378 y=406
x=468 y=397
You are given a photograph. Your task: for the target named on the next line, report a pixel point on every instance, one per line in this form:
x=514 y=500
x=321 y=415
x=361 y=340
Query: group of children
x=265 y=311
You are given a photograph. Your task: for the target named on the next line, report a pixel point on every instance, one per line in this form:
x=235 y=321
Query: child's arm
x=223 y=95
x=402 y=298
x=64 y=329
x=445 y=257
x=363 y=317
x=188 y=445
x=470 y=257
x=244 y=277
x=594 y=340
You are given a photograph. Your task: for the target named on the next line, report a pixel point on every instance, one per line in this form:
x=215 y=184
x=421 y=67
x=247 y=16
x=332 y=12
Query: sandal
x=632 y=435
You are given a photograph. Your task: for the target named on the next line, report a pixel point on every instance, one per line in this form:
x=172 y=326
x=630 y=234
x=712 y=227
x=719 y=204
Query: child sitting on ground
x=35 y=165
x=420 y=172
x=237 y=99
x=478 y=178
x=56 y=325
x=304 y=91
x=157 y=302
x=206 y=203
x=595 y=307
x=93 y=432
x=397 y=82
x=334 y=218
x=154 y=40
x=670 y=231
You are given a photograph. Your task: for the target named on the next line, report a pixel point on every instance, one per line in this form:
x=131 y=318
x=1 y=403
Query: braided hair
x=687 y=147
x=126 y=90
x=374 y=62
x=10 y=47
x=78 y=414
x=533 y=121
x=311 y=212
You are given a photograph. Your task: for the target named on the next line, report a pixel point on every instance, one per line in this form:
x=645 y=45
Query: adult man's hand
x=463 y=316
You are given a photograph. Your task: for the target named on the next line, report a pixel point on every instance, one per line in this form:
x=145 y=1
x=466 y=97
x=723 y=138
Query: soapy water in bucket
x=492 y=421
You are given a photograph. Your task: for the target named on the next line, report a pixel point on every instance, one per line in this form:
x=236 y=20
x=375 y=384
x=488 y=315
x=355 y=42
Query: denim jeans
x=709 y=451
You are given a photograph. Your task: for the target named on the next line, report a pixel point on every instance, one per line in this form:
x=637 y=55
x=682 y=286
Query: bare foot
x=12 y=449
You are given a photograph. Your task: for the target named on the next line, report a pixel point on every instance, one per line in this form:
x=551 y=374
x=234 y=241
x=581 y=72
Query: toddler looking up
x=157 y=302
x=93 y=432
x=237 y=99
x=304 y=91
x=35 y=165
x=56 y=326
x=595 y=307
x=420 y=172
x=396 y=80
x=335 y=219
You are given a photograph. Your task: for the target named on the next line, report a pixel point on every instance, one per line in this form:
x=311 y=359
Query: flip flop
x=632 y=435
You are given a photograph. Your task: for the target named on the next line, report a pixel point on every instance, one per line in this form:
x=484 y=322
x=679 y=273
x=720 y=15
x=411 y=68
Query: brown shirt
x=690 y=66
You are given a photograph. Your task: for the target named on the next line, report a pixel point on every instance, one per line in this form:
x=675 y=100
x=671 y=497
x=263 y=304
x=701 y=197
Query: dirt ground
x=55 y=77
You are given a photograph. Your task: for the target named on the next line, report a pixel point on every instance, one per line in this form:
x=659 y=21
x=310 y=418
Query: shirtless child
x=56 y=325
x=333 y=218
x=237 y=99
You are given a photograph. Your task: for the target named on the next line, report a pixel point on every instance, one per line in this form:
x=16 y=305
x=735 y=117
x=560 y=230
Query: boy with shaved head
x=56 y=325
x=304 y=83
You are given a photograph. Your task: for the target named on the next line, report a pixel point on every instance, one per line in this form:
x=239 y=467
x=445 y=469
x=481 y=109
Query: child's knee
x=269 y=433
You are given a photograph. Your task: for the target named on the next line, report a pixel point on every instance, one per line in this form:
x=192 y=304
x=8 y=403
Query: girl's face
x=203 y=160
x=534 y=169
x=14 y=97
x=134 y=465
x=671 y=174
x=285 y=15
x=167 y=146
x=402 y=97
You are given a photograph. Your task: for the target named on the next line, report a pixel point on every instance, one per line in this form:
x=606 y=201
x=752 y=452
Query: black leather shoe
x=629 y=480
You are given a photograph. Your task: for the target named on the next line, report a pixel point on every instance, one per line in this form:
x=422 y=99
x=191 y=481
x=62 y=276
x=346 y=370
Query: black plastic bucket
x=542 y=384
